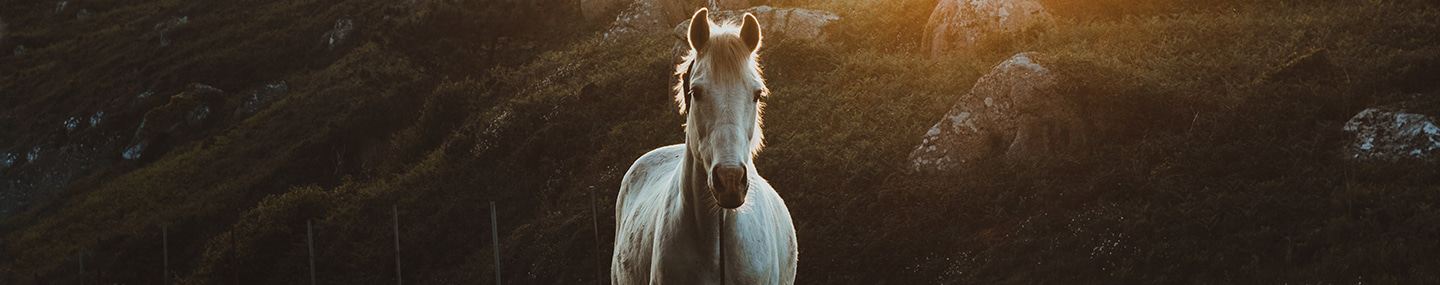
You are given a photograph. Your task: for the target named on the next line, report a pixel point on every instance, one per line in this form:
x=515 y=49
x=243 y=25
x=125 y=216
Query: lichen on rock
x=1391 y=135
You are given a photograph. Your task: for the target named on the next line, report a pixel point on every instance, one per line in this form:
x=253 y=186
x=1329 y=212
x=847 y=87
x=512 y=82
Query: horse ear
x=699 y=29
x=750 y=32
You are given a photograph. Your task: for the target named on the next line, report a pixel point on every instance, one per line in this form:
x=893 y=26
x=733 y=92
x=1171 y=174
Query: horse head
x=720 y=94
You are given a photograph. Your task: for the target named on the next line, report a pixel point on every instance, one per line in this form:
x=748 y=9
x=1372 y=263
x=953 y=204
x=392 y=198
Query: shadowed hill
x=437 y=108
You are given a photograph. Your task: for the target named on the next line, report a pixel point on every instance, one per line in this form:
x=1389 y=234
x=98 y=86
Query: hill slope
x=437 y=108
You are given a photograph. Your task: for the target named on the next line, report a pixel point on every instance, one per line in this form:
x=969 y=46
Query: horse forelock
x=728 y=60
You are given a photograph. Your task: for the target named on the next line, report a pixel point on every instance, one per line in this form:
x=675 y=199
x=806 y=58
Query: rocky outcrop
x=721 y=5
x=1391 y=135
x=775 y=24
x=593 y=9
x=959 y=27
x=336 y=35
x=262 y=97
x=1015 y=110
x=164 y=29
x=181 y=119
x=645 y=16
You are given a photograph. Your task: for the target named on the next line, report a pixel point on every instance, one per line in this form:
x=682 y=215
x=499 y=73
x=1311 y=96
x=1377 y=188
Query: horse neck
x=702 y=216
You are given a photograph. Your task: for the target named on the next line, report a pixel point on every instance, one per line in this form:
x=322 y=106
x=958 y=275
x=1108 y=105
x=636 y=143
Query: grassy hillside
x=1229 y=172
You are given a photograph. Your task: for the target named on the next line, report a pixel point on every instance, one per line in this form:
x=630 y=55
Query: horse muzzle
x=731 y=184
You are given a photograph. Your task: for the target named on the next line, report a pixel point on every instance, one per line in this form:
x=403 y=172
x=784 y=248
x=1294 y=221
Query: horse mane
x=731 y=60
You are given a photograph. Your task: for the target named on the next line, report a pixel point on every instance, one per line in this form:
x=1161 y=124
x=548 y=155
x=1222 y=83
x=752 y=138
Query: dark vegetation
x=1229 y=173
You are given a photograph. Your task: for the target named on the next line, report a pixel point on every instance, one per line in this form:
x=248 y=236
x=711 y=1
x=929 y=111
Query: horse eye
x=695 y=93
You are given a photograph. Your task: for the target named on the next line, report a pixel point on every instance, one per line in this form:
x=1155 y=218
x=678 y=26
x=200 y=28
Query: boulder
x=262 y=97
x=1390 y=135
x=645 y=16
x=336 y=35
x=1015 y=110
x=959 y=27
x=775 y=24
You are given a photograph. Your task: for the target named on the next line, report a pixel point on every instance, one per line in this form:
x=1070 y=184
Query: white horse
x=698 y=213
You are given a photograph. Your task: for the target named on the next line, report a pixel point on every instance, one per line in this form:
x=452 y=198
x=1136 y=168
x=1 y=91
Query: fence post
x=595 y=222
x=395 y=210
x=235 y=254
x=165 y=249
x=495 y=240
x=309 y=240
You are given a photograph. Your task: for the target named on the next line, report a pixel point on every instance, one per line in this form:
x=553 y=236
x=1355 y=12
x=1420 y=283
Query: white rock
x=336 y=35
x=71 y=124
x=95 y=120
x=1381 y=133
x=1014 y=110
x=776 y=24
x=647 y=16
x=262 y=97
x=958 y=27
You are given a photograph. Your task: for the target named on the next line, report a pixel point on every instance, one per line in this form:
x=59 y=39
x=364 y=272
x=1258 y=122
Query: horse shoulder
x=645 y=173
x=639 y=213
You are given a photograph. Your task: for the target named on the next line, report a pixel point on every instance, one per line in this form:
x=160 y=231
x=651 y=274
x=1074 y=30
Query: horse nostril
x=731 y=185
x=730 y=176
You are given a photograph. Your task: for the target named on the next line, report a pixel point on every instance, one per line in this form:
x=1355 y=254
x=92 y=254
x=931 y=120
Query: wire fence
x=81 y=276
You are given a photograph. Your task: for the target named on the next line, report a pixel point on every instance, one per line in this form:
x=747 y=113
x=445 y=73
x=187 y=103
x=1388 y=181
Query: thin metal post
x=595 y=221
x=495 y=240
x=235 y=255
x=396 y=211
x=311 y=242
x=165 y=249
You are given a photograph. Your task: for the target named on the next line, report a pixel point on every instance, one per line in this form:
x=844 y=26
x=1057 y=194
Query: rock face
x=1391 y=135
x=644 y=16
x=163 y=29
x=775 y=24
x=593 y=9
x=728 y=4
x=262 y=97
x=958 y=27
x=181 y=119
x=336 y=35
x=1015 y=110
